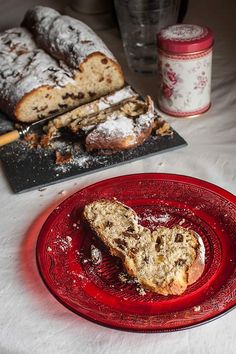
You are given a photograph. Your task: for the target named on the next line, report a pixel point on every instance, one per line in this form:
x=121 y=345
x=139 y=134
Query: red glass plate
x=96 y=292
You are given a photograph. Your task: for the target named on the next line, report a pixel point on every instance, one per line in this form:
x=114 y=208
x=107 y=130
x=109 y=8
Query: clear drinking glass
x=139 y=22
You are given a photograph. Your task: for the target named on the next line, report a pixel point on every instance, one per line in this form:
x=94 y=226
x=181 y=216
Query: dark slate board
x=28 y=169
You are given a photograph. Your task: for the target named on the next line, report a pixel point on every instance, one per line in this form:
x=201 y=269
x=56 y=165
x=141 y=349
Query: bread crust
x=111 y=61
x=16 y=113
x=106 y=136
x=197 y=268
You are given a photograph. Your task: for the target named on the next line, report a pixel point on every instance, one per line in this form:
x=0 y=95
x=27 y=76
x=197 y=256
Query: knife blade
x=16 y=134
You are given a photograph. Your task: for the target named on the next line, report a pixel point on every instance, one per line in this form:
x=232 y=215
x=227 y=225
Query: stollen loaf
x=51 y=63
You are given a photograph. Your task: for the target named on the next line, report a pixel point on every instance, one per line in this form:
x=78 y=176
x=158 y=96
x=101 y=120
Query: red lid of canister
x=185 y=38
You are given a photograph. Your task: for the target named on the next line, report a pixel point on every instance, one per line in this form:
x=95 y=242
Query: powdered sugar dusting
x=64 y=243
x=60 y=35
x=25 y=67
x=162 y=218
x=145 y=120
x=116 y=127
x=127 y=279
x=116 y=97
x=96 y=255
x=78 y=161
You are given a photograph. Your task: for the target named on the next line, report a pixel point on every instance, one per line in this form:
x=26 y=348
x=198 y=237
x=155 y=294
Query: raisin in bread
x=52 y=63
x=164 y=261
x=87 y=114
x=113 y=123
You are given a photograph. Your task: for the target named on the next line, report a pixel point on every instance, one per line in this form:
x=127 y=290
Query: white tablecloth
x=31 y=320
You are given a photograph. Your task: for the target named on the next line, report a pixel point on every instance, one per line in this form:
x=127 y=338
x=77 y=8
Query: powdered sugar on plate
x=156 y=220
x=64 y=243
x=96 y=255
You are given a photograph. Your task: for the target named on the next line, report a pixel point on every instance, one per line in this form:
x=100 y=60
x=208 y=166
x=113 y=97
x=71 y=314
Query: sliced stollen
x=83 y=115
x=125 y=128
x=164 y=261
x=53 y=63
x=115 y=122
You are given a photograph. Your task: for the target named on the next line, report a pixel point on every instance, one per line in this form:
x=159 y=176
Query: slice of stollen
x=123 y=128
x=164 y=261
x=85 y=115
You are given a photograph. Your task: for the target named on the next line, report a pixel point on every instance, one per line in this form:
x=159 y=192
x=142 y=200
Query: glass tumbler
x=139 y=22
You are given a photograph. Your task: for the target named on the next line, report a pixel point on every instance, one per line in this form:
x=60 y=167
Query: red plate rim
x=141 y=176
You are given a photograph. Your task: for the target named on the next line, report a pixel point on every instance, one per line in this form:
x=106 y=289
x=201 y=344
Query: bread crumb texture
x=164 y=261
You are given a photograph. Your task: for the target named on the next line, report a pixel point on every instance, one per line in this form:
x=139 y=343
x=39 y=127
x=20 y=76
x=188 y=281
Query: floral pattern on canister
x=184 y=56
x=169 y=81
x=201 y=82
x=184 y=83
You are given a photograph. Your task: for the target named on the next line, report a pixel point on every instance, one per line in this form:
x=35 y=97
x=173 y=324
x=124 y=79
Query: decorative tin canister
x=185 y=57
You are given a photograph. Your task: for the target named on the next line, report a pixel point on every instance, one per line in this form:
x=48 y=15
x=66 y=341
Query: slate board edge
x=17 y=190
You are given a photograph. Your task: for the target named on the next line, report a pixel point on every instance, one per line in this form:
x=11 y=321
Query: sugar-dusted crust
x=164 y=261
x=24 y=68
x=123 y=129
x=46 y=68
x=64 y=37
